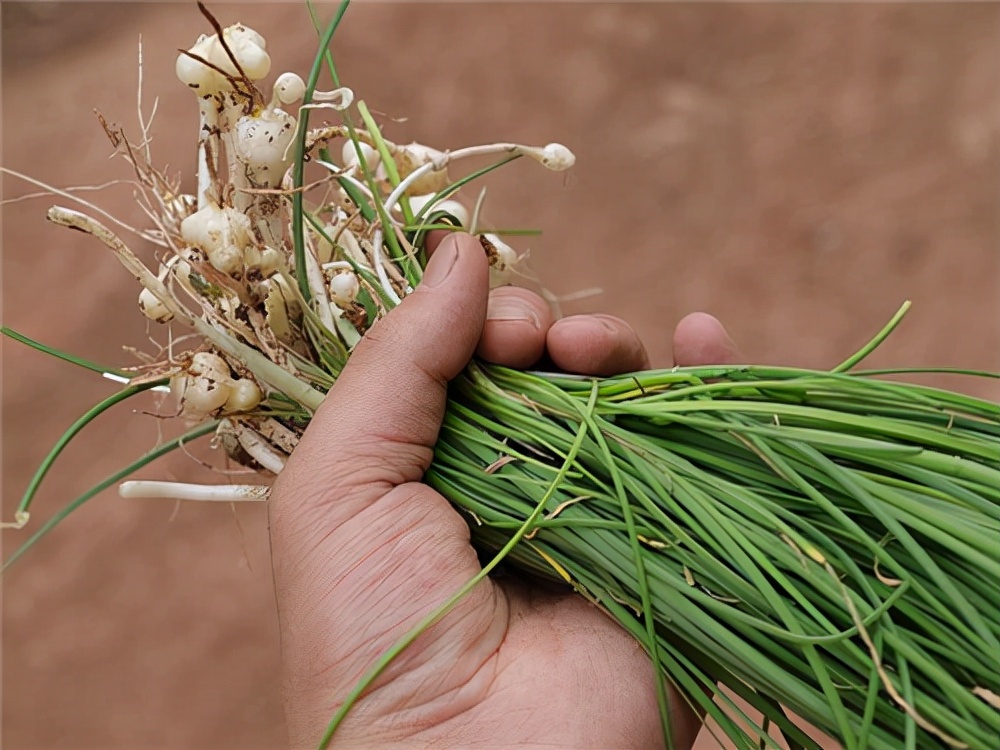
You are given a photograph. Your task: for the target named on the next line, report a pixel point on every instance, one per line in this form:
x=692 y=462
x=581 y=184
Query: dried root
x=276 y=307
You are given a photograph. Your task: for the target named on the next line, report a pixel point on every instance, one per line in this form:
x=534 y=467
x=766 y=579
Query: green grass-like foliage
x=823 y=541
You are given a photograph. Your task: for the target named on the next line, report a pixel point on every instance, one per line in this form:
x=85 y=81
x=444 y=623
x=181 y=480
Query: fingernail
x=613 y=325
x=511 y=309
x=588 y=321
x=726 y=340
x=441 y=263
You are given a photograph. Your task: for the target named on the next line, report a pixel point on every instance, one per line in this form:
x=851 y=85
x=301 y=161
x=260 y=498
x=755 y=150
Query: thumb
x=377 y=427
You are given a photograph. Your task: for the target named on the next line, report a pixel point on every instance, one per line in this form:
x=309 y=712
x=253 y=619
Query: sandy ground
x=798 y=170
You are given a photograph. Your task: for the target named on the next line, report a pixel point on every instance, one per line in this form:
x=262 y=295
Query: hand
x=362 y=550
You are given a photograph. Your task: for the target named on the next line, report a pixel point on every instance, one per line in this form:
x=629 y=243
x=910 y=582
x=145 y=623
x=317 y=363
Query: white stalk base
x=219 y=493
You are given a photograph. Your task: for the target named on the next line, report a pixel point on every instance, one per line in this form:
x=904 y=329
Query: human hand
x=362 y=551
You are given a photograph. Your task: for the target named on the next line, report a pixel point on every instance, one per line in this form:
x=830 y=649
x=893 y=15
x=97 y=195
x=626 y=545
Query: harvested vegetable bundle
x=819 y=540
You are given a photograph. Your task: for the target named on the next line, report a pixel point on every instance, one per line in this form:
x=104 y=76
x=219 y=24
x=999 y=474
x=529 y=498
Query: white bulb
x=266 y=261
x=349 y=155
x=213 y=226
x=182 y=270
x=249 y=49
x=206 y=387
x=557 y=157
x=244 y=395
x=456 y=209
x=222 y=233
x=344 y=288
x=209 y=363
x=414 y=155
x=152 y=308
x=506 y=256
x=419 y=203
x=203 y=395
x=247 y=46
x=411 y=157
x=196 y=74
x=244 y=34
x=263 y=144
x=227 y=258
x=502 y=265
x=289 y=88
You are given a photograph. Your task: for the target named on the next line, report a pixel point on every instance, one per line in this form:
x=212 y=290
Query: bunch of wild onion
x=822 y=544
x=820 y=541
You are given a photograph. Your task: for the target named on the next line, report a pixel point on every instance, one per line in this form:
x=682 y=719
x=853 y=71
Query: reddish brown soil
x=798 y=170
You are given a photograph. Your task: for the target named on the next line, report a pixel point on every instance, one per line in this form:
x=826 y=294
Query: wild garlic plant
x=280 y=278
x=820 y=544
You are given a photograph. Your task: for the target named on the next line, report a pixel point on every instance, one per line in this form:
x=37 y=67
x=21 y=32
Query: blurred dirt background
x=798 y=170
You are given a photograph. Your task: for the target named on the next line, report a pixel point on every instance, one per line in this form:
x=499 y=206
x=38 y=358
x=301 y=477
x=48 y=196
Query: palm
x=510 y=665
x=513 y=665
x=571 y=676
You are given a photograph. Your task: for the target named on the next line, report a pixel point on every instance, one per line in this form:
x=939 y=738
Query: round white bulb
x=349 y=154
x=557 y=157
x=289 y=88
x=209 y=363
x=244 y=395
x=344 y=288
x=152 y=308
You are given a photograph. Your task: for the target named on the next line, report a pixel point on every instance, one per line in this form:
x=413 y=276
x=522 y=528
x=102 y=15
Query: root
x=215 y=493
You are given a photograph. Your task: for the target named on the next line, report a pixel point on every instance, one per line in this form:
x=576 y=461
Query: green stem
x=387 y=160
x=74 y=429
x=65 y=356
x=114 y=478
x=298 y=172
x=872 y=345
x=641 y=577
